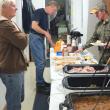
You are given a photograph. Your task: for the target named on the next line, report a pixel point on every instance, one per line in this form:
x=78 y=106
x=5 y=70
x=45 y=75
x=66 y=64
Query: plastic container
x=58 y=53
x=80 y=46
x=65 y=51
x=68 y=39
x=58 y=45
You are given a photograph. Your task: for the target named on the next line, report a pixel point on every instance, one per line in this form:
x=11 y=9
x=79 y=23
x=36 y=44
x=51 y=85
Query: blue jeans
x=37 y=48
x=14 y=84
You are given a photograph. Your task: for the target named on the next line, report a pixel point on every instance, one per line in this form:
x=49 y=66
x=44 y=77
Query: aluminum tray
x=87 y=82
x=71 y=97
x=97 y=67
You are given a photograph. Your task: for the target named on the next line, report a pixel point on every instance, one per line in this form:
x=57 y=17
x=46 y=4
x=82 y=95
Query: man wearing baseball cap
x=101 y=33
x=98 y=8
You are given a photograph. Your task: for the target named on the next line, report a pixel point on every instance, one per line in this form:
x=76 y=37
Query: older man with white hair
x=12 y=61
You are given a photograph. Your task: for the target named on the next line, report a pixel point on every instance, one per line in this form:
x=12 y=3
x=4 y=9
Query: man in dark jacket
x=12 y=61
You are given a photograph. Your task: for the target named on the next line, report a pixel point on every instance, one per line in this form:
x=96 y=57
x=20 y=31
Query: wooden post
x=107 y=3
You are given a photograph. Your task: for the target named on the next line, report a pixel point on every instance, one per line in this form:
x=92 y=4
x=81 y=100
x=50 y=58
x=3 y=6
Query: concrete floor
x=30 y=86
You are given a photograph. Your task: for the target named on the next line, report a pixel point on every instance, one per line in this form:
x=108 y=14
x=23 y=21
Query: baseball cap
x=98 y=8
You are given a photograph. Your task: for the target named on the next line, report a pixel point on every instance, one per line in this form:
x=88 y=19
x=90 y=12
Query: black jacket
x=27 y=12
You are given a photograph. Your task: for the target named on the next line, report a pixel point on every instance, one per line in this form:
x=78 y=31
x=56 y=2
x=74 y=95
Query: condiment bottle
x=58 y=45
x=69 y=48
x=74 y=46
x=65 y=51
x=68 y=39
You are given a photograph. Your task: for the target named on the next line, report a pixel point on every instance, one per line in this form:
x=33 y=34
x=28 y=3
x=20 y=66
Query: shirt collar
x=106 y=21
x=3 y=18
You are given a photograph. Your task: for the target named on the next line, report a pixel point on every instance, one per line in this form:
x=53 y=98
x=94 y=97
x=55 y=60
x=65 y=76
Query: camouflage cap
x=98 y=8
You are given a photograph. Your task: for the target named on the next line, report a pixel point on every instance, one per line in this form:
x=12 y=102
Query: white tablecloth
x=58 y=92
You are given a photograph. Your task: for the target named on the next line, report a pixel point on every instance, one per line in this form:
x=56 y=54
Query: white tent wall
x=19 y=13
x=76 y=15
x=18 y=19
x=38 y=3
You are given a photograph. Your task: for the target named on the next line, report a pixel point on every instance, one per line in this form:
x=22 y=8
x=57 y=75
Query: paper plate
x=98 y=44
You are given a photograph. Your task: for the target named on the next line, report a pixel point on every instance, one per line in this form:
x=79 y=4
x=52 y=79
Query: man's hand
x=48 y=36
x=108 y=47
x=79 y=50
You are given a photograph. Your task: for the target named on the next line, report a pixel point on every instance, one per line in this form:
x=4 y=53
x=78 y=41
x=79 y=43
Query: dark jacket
x=12 y=43
x=27 y=12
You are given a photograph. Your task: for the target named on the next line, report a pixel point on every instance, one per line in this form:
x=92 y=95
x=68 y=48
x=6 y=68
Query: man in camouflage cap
x=101 y=33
